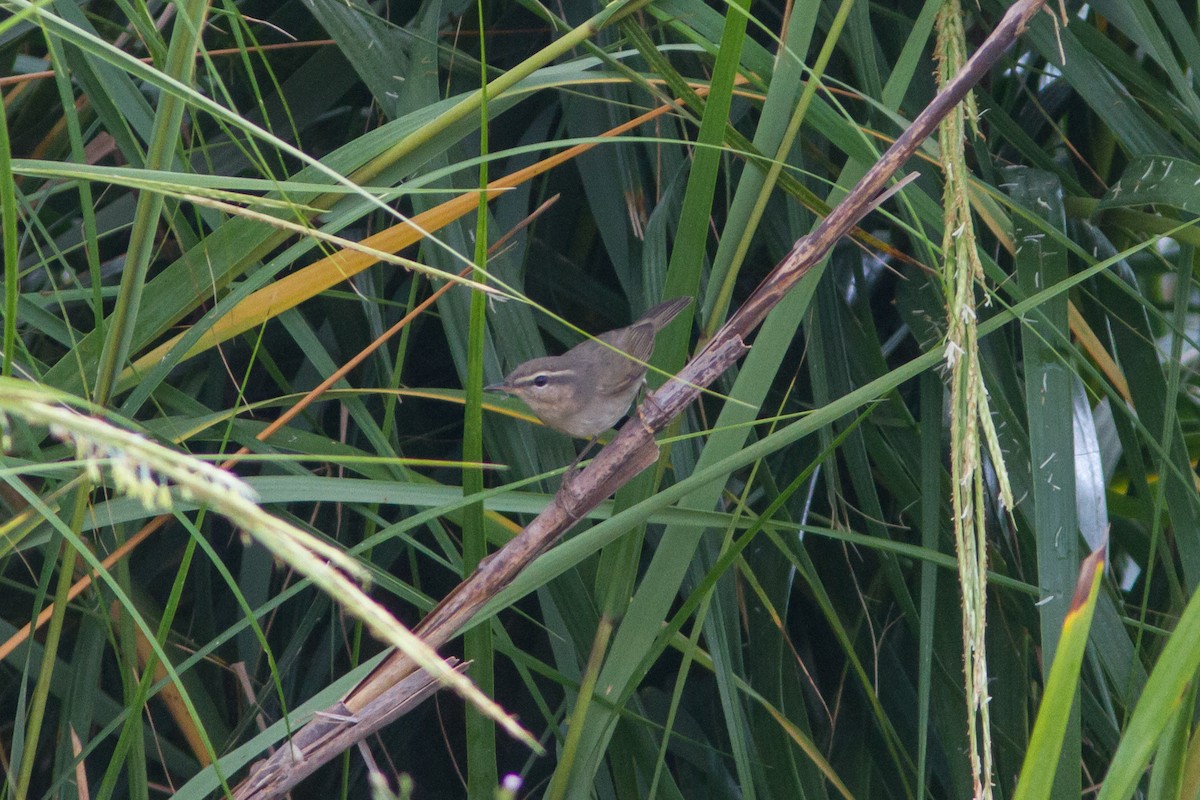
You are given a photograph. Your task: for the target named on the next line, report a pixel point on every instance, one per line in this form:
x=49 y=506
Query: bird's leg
x=573 y=470
x=573 y=467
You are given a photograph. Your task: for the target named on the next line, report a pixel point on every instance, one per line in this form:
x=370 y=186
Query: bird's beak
x=496 y=387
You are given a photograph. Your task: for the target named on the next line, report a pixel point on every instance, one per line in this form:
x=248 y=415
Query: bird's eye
x=540 y=381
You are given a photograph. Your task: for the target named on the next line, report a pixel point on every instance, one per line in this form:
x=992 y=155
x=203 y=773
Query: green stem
x=41 y=692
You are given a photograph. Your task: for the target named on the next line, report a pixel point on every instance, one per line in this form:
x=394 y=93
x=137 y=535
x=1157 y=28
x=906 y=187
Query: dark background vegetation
x=828 y=651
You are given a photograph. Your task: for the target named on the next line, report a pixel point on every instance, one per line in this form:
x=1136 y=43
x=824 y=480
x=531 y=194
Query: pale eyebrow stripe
x=554 y=373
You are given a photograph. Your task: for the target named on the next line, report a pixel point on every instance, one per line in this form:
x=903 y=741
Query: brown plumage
x=587 y=389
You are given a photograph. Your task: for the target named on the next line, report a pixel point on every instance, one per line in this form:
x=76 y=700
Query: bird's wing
x=637 y=341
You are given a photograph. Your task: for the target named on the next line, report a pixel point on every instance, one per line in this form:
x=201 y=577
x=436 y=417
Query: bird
x=586 y=390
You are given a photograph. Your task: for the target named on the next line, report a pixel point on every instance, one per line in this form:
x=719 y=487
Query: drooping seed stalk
x=969 y=413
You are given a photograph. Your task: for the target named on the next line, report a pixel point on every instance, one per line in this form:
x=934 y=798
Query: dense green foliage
x=777 y=605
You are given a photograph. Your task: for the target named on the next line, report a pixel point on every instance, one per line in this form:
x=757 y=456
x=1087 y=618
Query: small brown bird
x=587 y=389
